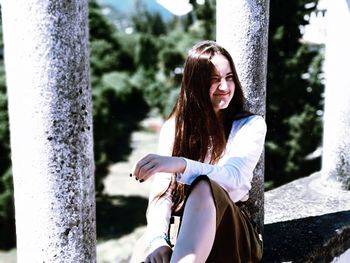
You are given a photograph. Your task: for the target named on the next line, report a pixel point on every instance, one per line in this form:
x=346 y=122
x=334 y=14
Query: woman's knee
x=197 y=232
x=202 y=191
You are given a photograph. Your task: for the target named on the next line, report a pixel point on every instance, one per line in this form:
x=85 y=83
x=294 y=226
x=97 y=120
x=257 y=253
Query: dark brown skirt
x=237 y=237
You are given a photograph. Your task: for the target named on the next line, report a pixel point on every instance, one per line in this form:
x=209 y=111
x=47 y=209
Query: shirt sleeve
x=159 y=209
x=235 y=169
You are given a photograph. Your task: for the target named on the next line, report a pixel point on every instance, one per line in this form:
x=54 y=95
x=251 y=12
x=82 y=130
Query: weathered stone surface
x=242 y=28
x=306 y=220
x=336 y=143
x=47 y=72
x=305 y=197
x=310 y=239
x=255 y=202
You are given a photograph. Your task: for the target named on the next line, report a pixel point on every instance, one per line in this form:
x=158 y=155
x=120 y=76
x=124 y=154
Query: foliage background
x=137 y=75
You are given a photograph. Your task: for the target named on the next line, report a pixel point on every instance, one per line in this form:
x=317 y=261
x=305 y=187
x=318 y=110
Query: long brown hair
x=197 y=127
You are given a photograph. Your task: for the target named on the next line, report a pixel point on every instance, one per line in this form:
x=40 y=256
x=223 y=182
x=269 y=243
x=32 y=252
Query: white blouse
x=233 y=172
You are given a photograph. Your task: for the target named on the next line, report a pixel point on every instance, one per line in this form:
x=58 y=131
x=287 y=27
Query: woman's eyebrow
x=215 y=75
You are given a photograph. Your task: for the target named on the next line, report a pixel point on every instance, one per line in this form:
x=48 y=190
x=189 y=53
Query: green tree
x=7 y=218
x=293 y=96
x=206 y=15
x=147 y=22
x=118 y=106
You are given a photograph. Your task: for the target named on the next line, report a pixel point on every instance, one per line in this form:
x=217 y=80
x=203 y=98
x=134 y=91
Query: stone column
x=242 y=28
x=47 y=70
x=336 y=136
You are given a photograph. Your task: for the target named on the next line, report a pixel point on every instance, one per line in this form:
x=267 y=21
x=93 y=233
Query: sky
x=167 y=8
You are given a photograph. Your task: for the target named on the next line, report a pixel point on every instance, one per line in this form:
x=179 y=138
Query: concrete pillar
x=242 y=28
x=336 y=136
x=47 y=70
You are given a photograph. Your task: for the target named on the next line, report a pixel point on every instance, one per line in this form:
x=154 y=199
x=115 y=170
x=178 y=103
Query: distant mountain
x=119 y=11
x=127 y=6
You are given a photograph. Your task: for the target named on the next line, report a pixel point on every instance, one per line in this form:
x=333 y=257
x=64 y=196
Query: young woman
x=208 y=149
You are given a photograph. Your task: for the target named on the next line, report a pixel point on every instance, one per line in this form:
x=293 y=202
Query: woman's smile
x=222 y=94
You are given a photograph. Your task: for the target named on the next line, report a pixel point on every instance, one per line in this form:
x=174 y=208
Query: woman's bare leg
x=197 y=232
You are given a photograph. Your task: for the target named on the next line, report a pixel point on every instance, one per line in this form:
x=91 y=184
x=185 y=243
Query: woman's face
x=222 y=86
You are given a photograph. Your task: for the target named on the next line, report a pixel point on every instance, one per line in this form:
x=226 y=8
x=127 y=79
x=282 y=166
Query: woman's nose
x=223 y=85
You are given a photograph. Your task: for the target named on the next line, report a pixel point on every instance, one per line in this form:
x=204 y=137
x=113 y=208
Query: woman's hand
x=153 y=163
x=160 y=255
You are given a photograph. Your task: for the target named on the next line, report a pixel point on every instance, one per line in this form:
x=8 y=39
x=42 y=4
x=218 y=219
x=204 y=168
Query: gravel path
x=119 y=182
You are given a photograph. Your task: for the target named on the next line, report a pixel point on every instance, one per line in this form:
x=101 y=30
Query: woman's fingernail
x=130 y=175
x=136 y=179
x=141 y=181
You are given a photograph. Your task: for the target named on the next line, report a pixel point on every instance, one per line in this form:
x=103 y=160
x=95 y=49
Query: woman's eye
x=229 y=78
x=215 y=80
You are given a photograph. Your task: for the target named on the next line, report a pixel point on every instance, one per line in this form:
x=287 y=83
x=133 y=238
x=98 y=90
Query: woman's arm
x=159 y=209
x=154 y=163
x=235 y=169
